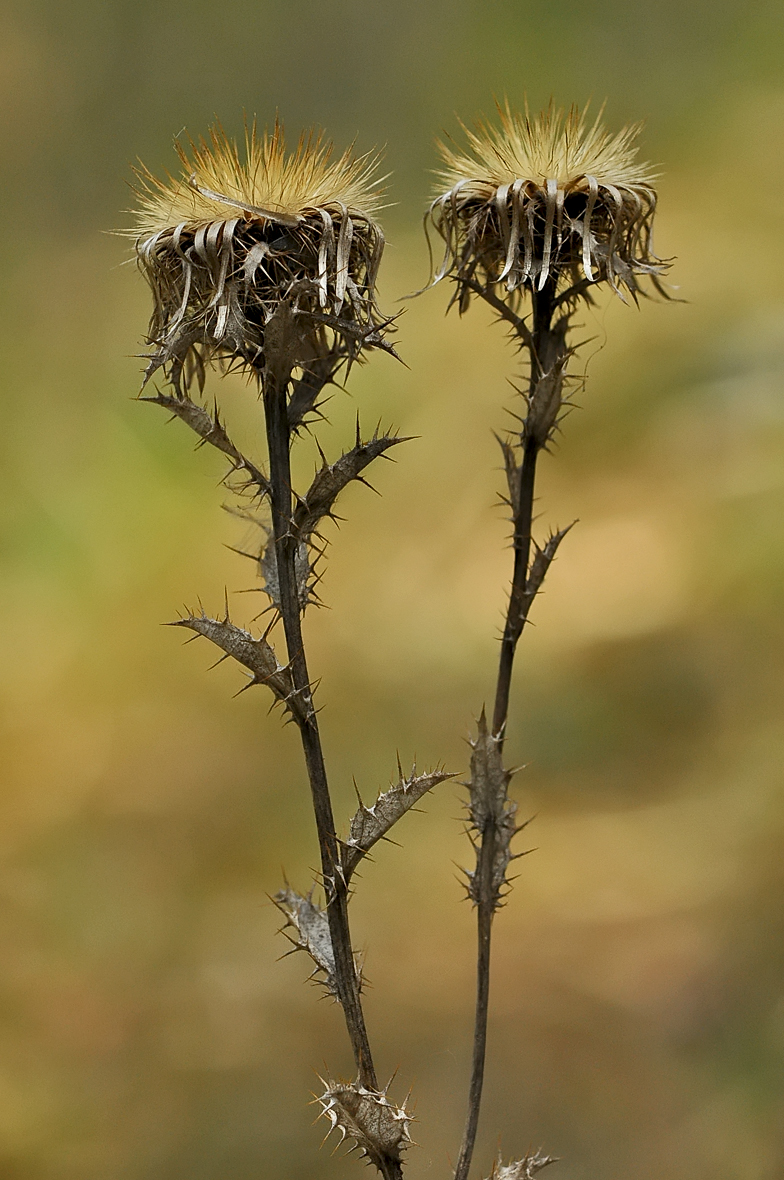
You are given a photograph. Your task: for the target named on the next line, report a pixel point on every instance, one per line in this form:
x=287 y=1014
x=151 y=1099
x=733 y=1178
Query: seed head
x=240 y=232
x=545 y=198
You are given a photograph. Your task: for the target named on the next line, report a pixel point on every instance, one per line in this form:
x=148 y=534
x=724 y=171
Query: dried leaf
x=306 y=390
x=524 y=1169
x=310 y=932
x=545 y=398
x=332 y=478
x=489 y=781
x=378 y=1128
x=211 y=430
x=302 y=572
x=371 y=824
x=256 y=655
x=492 y=813
x=514 y=472
x=540 y=565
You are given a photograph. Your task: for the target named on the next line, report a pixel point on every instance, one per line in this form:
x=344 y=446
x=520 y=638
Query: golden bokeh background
x=638 y=1008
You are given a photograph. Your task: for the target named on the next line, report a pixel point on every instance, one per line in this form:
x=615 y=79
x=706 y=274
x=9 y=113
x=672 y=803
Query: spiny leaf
x=371 y=824
x=306 y=390
x=211 y=430
x=539 y=567
x=492 y=813
x=256 y=655
x=332 y=478
x=514 y=471
x=489 y=781
x=377 y=1127
x=310 y=928
x=524 y=1169
x=303 y=571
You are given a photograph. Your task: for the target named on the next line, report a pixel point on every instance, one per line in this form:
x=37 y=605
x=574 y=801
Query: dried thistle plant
x=535 y=213
x=266 y=261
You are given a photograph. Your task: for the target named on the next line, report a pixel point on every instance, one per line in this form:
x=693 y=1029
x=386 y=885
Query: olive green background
x=638 y=1007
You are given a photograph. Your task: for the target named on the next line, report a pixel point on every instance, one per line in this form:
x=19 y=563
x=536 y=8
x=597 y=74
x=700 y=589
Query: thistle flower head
x=545 y=198
x=240 y=232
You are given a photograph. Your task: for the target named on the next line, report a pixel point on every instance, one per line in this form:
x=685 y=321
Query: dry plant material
x=524 y=1169
x=546 y=198
x=222 y=246
x=367 y=1119
x=534 y=214
x=266 y=261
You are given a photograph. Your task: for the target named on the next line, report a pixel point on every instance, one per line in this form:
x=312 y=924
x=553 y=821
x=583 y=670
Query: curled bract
x=544 y=198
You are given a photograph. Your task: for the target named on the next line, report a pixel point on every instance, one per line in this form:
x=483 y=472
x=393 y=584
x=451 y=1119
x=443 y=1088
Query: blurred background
x=638 y=1008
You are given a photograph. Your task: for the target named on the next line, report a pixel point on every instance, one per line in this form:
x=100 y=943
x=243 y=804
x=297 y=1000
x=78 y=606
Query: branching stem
x=536 y=342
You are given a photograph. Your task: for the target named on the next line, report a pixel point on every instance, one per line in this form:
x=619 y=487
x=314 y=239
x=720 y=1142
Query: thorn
x=219 y=661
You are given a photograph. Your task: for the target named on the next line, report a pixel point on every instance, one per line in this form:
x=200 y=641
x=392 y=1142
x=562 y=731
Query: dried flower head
x=545 y=197
x=237 y=234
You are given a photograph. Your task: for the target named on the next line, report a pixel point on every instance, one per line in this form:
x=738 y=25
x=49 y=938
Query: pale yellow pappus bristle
x=265 y=175
x=554 y=144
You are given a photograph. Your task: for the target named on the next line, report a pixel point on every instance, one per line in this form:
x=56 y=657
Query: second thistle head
x=545 y=200
x=239 y=233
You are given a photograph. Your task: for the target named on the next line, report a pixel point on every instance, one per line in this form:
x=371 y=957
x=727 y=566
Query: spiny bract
x=238 y=233
x=545 y=198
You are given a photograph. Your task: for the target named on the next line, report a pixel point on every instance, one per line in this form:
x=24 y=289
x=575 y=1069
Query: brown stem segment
x=539 y=345
x=280 y=359
x=484 y=925
x=518 y=604
x=275 y=410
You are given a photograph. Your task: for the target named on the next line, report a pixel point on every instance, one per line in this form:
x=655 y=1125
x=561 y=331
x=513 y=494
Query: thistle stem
x=484 y=926
x=537 y=343
x=517 y=609
x=278 y=437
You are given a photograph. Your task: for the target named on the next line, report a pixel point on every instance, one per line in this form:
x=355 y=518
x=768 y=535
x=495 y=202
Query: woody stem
x=516 y=615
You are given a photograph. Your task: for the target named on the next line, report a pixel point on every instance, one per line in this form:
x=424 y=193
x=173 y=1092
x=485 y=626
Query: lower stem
x=484 y=929
x=335 y=888
x=516 y=615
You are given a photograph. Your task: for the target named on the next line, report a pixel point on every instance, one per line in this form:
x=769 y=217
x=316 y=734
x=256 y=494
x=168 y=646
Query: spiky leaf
x=541 y=563
x=256 y=655
x=524 y=1169
x=302 y=571
x=492 y=813
x=371 y=824
x=374 y=1124
x=489 y=780
x=310 y=928
x=210 y=430
x=319 y=500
